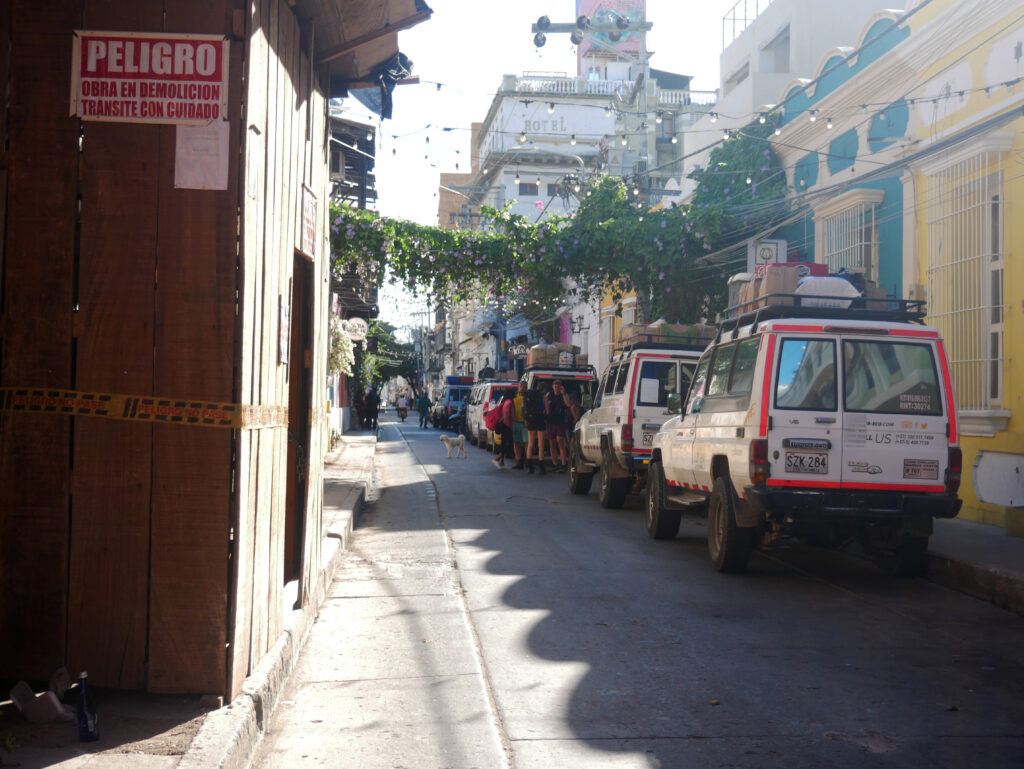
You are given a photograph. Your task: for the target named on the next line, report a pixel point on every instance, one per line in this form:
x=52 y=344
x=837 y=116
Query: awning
x=356 y=41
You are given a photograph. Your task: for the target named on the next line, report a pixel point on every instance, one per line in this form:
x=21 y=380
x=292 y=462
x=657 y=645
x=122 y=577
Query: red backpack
x=492 y=417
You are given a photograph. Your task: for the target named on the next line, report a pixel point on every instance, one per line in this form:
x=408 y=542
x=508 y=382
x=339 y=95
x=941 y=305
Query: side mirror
x=675 y=403
x=587 y=402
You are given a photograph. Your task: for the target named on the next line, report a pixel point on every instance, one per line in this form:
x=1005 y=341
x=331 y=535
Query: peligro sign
x=144 y=77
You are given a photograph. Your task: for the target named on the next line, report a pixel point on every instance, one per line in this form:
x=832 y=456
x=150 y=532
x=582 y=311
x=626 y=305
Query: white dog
x=456 y=443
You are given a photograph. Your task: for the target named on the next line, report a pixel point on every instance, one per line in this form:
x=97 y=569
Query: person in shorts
x=557 y=403
x=519 y=434
x=533 y=417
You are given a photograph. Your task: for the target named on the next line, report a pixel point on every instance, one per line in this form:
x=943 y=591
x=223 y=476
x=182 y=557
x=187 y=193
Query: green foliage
x=386 y=357
x=608 y=244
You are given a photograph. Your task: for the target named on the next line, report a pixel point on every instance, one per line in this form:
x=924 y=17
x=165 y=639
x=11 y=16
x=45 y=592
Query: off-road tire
x=579 y=482
x=661 y=522
x=729 y=546
x=612 y=492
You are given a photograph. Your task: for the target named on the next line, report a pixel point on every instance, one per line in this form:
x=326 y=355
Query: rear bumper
x=806 y=504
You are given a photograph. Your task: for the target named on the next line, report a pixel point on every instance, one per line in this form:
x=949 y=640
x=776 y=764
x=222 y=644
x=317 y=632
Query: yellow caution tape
x=137 y=408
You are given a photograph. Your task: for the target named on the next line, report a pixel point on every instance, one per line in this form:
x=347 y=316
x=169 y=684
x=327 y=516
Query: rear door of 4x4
x=656 y=375
x=895 y=417
x=805 y=440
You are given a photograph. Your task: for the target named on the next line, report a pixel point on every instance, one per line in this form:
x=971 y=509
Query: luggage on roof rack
x=808 y=306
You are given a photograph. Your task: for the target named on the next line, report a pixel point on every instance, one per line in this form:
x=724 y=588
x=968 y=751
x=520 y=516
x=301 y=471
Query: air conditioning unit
x=337 y=173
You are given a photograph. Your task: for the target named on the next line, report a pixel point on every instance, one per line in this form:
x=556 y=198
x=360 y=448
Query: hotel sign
x=143 y=77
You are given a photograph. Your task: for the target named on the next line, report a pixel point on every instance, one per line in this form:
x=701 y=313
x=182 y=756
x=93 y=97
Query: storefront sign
x=356 y=328
x=141 y=77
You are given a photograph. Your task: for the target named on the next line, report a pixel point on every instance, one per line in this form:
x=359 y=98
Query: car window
x=718 y=383
x=620 y=381
x=807 y=375
x=609 y=381
x=697 y=385
x=743 y=366
x=885 y=377
x=498 y=393
x=657 y=380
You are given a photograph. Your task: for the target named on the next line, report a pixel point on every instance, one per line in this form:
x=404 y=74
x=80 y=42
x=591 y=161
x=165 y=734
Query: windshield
x=884 y=377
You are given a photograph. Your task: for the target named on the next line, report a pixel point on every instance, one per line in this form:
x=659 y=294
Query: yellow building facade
x=963 y=250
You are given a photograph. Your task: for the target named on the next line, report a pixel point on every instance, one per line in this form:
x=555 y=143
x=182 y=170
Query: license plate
x=806 y=463
x=647 y=439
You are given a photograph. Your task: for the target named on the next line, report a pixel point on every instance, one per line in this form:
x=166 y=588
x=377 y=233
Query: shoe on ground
x=498 y=464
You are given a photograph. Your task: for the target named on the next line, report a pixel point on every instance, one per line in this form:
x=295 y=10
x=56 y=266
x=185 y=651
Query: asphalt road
x=489 y=618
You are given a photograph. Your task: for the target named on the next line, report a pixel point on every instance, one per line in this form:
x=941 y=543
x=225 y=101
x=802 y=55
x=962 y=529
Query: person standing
x=519 y=435
x=372 y=406
x=423 y=406
x=557 y=405
x=533 y=417
x=503 y=429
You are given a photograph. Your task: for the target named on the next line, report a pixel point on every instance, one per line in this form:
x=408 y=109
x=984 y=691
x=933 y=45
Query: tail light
x=627 y=437
x=759 y=467
x=953 y=469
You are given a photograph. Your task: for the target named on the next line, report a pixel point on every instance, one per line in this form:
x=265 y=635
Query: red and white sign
x=309 y=207
x=142 y=77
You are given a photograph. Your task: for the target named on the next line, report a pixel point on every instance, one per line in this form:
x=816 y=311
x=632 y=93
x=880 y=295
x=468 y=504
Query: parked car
x=447 y=403
x=484 y=396
x=615 y=436
x=833 y=426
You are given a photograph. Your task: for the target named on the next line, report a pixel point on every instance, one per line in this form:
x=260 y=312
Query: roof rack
x=685 y=344
x=858 y=308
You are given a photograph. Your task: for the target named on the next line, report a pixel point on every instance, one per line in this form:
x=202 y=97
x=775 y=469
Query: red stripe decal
x=891 y=487
x=914 y=332
x=804 y=484
x=950 y=402
x=769 y=357
x=670 y=482
x=802 y=329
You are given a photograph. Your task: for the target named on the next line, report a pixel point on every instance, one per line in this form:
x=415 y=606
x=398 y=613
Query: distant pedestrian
x=423 y=406
x=556 y=408
x=503 y=429
x=519 y=434
x=372 y=407
x=533 y=416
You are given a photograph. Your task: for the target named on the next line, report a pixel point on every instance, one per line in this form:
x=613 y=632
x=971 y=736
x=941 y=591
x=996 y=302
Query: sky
x=460 y=55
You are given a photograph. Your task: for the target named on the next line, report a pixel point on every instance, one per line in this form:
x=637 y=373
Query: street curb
x=1003 y=588
x=228 y=737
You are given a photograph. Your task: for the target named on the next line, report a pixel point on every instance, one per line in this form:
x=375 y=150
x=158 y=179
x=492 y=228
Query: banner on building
x=149 y=77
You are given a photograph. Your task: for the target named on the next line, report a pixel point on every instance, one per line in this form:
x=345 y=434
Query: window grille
x=850 y=239
x=965 y=275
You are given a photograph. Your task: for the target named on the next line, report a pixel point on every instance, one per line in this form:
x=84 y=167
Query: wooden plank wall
x=36 y=337
x=275 y=130
x=194 y=357
x=108 y=589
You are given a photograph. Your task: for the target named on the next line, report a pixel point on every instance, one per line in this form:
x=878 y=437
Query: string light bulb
x=551 y=108
x=517 y=177
x=813 y=116
x=522 y=137
x=675 y=139
x=657 y=118
x=623 y=140
x=608 y=111
x=762 y=119
x=572 y=139
x=714 y=117
x=828 y=123
x=749 y=180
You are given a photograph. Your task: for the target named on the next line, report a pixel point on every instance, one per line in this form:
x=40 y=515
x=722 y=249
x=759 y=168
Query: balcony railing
x=558 y=84
x=739 y=17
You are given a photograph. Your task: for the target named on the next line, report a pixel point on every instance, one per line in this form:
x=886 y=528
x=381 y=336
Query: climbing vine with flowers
x=608 y=244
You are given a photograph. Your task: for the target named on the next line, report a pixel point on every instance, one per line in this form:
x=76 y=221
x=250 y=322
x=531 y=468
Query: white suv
x=615 y=436
x=834 y=426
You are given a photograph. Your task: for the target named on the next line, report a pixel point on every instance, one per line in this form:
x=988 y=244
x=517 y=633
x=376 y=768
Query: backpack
x=492 y=417
x=533 y=405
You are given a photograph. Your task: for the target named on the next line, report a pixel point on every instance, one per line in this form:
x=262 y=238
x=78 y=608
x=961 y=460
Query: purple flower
x=661 y=276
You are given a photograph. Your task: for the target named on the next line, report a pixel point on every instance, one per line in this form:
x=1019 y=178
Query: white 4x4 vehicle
x=615 y=436
x=834 y=426
x=484 y=396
